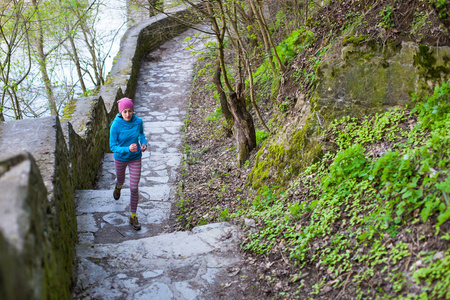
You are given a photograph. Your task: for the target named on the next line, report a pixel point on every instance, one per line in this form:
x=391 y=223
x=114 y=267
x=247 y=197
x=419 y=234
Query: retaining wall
x=43 y=161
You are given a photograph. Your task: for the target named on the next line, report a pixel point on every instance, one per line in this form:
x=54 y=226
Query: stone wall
x=37 y=208
x=43 y=161
x=23 y=242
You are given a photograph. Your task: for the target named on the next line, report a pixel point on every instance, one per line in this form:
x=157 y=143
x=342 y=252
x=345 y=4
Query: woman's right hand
x=133 y=148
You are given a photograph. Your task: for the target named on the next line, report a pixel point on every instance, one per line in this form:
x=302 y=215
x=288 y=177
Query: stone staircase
x=117 y=262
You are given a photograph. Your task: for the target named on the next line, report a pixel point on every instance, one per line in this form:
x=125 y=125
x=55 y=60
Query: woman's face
x=127 y=114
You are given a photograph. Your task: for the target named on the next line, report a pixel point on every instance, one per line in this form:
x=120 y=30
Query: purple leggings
x=134 y=167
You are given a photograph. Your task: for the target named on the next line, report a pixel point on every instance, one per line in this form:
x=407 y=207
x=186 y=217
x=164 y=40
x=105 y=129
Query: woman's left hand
x=143 y=148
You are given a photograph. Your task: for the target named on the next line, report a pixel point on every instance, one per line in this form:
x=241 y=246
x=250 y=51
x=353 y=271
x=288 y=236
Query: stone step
x=101 y=218
x=178 y=265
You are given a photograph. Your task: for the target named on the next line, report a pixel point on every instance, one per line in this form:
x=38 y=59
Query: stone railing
x=43 y=161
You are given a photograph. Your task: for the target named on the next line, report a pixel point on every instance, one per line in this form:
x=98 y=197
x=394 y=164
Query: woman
x=127 y=141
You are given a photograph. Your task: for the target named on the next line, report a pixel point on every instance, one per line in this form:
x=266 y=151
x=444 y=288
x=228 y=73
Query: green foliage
x=223 y=214
x=370 y=129
x=387 y=17
x=420 y=20
x=261 y=136
x=183 y=213
x=208 y=51
x=308 y=76
x=89 y=92
x=441 y=6
x=351 y=20
x=295 y=43
x=280 y=20
x=347 y=163
x=215 y=116
x=25 y=27
x=342 y=211
x=436 y=279
x=285 y=105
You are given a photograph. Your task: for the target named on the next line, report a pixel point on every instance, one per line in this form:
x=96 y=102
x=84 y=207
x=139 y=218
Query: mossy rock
x=365 y=78
x=69 y=110
x=277 y=164
x=352 y=39
x=433 y=68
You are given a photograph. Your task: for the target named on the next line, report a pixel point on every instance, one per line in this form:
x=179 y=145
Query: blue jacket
x=123 y=134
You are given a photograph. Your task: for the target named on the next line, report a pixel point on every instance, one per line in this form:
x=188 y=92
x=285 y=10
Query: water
x=113 y=24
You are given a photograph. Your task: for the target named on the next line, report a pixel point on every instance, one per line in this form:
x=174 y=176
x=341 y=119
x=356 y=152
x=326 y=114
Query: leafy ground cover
x=371 y=216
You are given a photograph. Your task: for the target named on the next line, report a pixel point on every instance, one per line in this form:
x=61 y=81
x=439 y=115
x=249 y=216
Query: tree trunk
x=240 y=85
x=223 y=98
x=220 y=35
x=16 y=105
x=39 y=41
x=47 y=83
x=266 y=30
x=76 y=60
x=90 y=44
x=12 y=39
x=264 y=36
x=244 y=129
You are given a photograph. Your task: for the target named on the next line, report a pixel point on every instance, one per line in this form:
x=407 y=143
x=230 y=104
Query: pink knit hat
x=125 y=103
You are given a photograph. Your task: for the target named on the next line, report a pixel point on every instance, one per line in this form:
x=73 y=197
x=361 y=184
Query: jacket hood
x=122 y=122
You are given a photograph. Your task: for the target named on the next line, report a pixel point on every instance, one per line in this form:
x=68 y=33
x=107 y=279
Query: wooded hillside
x=346 y=192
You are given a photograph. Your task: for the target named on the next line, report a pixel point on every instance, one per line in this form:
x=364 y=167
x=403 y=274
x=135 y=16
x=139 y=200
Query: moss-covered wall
x=24 y=250
x=361 y=79
x=87 y=134
x=356 y=78
x=38 y=229
x=37 y=212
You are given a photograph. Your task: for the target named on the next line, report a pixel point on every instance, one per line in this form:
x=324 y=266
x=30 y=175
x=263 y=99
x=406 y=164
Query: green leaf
x=426 y=211
x=444 y=186
x=446 y=237
x=407 y=194
x=400 y=211
x=444 y=216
